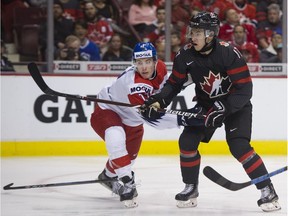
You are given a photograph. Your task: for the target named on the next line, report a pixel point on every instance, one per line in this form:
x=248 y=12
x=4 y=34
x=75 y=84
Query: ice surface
x=158 y=179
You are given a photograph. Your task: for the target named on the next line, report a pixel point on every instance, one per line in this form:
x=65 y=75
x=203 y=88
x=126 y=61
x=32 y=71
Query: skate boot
x=187 y=197
x=269 y=200
x=129 y=193
x=114 y=186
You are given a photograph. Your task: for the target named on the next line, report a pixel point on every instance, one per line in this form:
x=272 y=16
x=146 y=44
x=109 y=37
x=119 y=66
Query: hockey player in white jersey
x=122 y=127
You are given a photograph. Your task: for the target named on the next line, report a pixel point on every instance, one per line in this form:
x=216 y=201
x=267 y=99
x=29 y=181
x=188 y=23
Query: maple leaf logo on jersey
x=215 y=85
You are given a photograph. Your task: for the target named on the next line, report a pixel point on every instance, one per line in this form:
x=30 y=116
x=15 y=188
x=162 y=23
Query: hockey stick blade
x=10 y=186
x=36 y=75
x=217 y=178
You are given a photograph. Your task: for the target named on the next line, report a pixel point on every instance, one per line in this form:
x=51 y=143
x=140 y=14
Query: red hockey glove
x=216 y=115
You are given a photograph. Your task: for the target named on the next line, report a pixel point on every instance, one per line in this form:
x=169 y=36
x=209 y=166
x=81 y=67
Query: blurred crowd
x=106 y=30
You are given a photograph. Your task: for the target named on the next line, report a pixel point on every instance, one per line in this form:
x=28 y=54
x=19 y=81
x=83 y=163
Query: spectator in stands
x=72 y=9
x=269 y=55
x=62 y=28
x=70 y=52
x=266 y=28
x=216 y=6
x=105 y=9
x=157 y=28
x=175 y=43
x=279 y=53
x=99 y=30
x=232 y=18
x=183 y=31
x=88 y=50
x=141 y=14
x=160 y=48
x=7 y=17
x=249 y=50
x=175 y=46
x=117 y=51
x=6 y=65
x=179 y=15
x=261 y=9
x=246 y=11
x=159 y=3
x=37 y=3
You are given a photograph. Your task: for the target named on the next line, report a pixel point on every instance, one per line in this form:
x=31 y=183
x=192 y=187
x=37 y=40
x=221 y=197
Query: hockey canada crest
x=215 y=85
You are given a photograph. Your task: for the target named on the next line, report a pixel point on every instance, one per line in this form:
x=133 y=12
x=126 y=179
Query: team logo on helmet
x=144 y=50
x=143 y=54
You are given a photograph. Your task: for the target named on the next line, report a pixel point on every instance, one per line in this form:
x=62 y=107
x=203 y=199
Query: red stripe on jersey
x=161 y=75
x=187 y=152
x=108 y=166
x=238 y=70
x=171 y=80
x=245 y=80
x=139 y=79
x=121 y=162
x=190 y=164
x=138 y=99
x=254 y=166
x=244 y=157
x=178 y=75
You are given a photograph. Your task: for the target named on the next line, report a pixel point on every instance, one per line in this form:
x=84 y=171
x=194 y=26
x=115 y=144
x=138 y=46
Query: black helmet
x=206 y=20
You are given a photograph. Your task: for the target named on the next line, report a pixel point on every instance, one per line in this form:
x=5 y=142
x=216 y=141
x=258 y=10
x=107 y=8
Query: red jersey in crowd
x=226 y=32
x=99 y=32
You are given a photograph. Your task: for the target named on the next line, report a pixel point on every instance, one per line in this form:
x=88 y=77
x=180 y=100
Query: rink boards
x=37 y=124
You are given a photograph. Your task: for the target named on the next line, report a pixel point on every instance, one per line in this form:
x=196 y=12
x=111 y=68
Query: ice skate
x=129 y=193
x=114 y=186
x=269 y=199
x=187 y=197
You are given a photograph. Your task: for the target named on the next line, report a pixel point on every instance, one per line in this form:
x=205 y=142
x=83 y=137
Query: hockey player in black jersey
x=223 y=89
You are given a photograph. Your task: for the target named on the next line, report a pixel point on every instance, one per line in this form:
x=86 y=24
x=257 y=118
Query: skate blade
x=187 y=204
x=269 y=207
x=130 y=203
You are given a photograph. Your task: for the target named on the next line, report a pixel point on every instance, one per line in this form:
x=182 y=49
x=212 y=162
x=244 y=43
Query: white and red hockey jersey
x=130 y=87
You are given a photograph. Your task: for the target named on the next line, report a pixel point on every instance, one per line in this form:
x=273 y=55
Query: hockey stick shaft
x=217 y=178
x=36 y=75
x=268 y=175
x=10 y=187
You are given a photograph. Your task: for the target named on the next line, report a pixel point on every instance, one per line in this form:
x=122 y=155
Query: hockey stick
x=217 y=178
x=10 y=187
x=36 y=75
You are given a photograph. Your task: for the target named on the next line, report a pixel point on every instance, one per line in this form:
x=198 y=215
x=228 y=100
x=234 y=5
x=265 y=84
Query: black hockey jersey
x=221 y=75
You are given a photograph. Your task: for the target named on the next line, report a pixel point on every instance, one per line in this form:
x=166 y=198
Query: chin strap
x=155 y=72
x=208 y=46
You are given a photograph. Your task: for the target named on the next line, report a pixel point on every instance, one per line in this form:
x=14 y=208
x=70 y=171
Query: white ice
x=158 y=179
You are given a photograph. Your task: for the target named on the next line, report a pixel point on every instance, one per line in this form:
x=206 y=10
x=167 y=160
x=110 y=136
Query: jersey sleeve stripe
x=245 y=80
x=238 y=70
x=171 y=80
x=178 y=75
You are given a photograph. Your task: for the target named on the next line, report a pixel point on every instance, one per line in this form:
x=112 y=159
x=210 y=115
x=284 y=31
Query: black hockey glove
x=150 y=113
x=216 y=115
x=192 y=121
x=152 y=100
